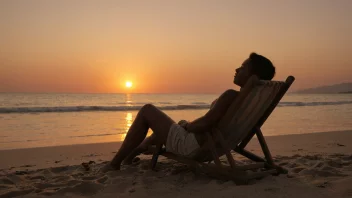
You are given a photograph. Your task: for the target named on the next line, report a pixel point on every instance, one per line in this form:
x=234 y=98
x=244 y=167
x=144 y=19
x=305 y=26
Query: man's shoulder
x=231 y=92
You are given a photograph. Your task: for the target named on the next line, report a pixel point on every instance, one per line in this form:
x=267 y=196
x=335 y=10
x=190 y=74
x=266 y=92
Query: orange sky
x=163 y=46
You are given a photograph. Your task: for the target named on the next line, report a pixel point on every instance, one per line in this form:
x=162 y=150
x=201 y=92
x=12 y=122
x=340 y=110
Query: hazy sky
x=169 y=46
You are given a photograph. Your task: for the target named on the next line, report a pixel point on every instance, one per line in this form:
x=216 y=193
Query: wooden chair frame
x=240 y=174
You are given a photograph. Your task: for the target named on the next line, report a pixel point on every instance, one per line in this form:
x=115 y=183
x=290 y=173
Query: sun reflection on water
x=128 y=99
x=128 y=119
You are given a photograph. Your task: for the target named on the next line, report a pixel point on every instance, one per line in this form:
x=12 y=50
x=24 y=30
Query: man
x=185 y=138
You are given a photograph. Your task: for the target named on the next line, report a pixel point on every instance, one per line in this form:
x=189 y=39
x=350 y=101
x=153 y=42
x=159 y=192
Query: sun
x=128 y=84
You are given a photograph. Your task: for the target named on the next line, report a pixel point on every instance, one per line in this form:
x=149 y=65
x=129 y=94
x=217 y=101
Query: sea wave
x=135 y=108
x=299 y=104
x=93 y=108
x=94 y=135
x=16 y=141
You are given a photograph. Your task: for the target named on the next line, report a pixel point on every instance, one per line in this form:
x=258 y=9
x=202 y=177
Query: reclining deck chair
x=244 y=118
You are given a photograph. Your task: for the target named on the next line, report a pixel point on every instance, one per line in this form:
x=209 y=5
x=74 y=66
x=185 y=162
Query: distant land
x=345 y=88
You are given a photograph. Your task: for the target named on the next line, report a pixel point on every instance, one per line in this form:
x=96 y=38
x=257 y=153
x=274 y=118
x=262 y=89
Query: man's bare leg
x=143 y=147
x=148 y=117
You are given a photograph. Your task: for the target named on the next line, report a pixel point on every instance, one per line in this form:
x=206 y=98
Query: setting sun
x=128 y=84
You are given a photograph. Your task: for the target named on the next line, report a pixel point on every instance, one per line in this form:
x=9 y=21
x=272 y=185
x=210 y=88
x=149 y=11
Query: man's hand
x=213 y=116
x=183 y=123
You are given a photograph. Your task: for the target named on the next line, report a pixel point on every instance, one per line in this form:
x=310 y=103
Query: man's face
x=243 y=73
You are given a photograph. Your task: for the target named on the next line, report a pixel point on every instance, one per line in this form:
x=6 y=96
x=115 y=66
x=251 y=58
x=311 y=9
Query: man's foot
x=109 y=167
x=132 y=158
x=134 y=161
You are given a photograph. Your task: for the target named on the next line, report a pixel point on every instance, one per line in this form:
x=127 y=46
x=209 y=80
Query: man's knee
x=147 y=108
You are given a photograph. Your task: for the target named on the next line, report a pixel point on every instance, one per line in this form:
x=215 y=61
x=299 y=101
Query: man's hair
x=261 y=66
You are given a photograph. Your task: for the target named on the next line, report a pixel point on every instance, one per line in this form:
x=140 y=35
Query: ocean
x=38 y=120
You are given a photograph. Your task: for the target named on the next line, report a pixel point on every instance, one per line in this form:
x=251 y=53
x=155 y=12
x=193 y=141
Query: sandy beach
x=319 y=164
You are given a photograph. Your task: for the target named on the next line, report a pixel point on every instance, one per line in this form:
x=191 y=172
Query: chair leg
x=264 y=146
x=249 y=155
x=226 y=148
x=256 y=158
x=268 y=158
x=213 y=149
x=156 y=156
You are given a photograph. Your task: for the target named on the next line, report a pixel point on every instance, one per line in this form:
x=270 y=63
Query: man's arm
x=212 y=117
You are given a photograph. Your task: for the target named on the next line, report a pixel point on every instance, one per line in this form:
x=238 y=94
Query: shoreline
x=119 y=142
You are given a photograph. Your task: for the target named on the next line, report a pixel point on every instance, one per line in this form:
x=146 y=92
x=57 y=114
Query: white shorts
x=181 y=142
